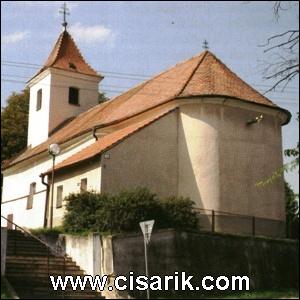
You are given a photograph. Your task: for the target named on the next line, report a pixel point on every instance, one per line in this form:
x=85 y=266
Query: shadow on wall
x=198 y=158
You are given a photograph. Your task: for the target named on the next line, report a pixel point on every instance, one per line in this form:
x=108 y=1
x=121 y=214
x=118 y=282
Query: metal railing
x=51 y=252
x=226 y=222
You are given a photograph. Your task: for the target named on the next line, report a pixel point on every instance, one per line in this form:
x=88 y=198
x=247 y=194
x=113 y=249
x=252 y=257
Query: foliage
x=178 y=213
x=122 y=212
x=102 y=98
x=82 y=211
x=14 y=124
x=54 y=230
x=292 y=211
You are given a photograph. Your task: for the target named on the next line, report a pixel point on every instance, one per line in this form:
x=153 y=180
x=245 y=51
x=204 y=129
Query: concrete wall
x=86 y=251
x=269 y=263
x=148 y=158
x=3 y=249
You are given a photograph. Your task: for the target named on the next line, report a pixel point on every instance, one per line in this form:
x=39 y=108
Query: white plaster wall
x=148 y=158
x=60 y=109
x=86 y=251
x=30 y=218
x=221 y=159
x=16 y=184
x=70 y=180
x=198 y=148
x=39 y=120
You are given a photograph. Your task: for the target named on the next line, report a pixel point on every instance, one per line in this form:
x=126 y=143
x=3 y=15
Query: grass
x=4 y=293
x=264 y=294
x=54 y=230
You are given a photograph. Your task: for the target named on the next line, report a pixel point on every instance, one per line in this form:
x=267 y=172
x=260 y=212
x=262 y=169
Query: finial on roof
x=205 y=45
x=64 y=11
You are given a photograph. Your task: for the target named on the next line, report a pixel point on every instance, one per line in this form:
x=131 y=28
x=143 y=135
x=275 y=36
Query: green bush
x=94 y=212
x=54 y=230
x=82 y=211
x=178 y=213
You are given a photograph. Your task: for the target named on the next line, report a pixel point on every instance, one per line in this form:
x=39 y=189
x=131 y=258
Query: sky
x=130 y=41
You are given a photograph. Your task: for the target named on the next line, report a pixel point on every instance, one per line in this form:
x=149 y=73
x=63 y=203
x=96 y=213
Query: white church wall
x=221 y=159
x=28 y=218
x=39 y=120
x=16 y=185
x=198 y=147
x=148 y=158
x=60 y=108
x=70 y=181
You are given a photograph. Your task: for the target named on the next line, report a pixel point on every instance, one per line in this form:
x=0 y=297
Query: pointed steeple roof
x=65 y=55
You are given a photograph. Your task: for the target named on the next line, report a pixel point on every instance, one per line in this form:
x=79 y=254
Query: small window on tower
x=39 y=99
x=74 y=96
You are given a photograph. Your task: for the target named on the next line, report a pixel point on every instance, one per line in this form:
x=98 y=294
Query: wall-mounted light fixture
x=255 y=120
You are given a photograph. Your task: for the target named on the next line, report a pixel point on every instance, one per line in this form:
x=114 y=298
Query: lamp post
x=54 y=150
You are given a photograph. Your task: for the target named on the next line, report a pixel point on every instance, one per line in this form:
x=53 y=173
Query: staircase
x=29 y=263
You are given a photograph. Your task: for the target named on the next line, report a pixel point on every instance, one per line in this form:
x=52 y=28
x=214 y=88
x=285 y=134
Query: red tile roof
x=65 y=55
x=201 y=75
x=109 y=140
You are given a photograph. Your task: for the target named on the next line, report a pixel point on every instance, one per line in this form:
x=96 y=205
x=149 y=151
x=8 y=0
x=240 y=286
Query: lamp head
x=54 y=149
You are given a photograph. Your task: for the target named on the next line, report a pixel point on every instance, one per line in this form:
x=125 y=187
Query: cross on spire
x=64 y=11
x=205 y=45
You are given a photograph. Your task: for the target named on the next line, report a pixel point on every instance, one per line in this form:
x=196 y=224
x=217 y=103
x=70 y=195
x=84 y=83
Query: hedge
x=95 y=212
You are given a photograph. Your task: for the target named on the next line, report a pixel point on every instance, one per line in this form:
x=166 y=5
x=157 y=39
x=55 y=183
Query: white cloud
x=92 y=34
x=15 y=37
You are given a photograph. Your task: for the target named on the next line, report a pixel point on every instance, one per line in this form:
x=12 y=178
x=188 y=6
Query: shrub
x=82 y=211
x=178 y=213
x=54 y=230
x=94 y=212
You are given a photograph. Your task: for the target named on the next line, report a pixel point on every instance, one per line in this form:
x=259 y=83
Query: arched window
x=39 y=99
x=74 y=96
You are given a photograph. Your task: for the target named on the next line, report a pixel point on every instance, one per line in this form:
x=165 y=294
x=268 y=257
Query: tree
x=14 y=124
x=292 y=211
x=283 y=51
x=102 y=98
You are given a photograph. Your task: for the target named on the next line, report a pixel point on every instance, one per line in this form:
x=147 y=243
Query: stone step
x=33 y=259
x=41 y=268
x=39 y=263
x=42 y=273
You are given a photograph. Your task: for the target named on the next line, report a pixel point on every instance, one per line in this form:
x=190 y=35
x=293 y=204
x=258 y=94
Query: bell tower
x=63 y=88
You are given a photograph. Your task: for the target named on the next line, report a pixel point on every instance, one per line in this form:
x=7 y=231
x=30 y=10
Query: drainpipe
x=47 y=199
x=94 y=133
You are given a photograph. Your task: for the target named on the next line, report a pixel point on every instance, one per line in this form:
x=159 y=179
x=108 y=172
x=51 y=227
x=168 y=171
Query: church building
x=195 y=130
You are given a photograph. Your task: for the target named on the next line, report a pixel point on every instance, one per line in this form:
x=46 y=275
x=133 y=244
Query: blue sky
x=120 y=37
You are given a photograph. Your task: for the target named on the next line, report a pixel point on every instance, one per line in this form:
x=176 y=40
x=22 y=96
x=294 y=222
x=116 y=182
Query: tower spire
x=205 y=45
x=64 y=11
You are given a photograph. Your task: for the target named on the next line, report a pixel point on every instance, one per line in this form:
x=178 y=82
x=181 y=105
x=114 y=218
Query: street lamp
x=54 y=150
